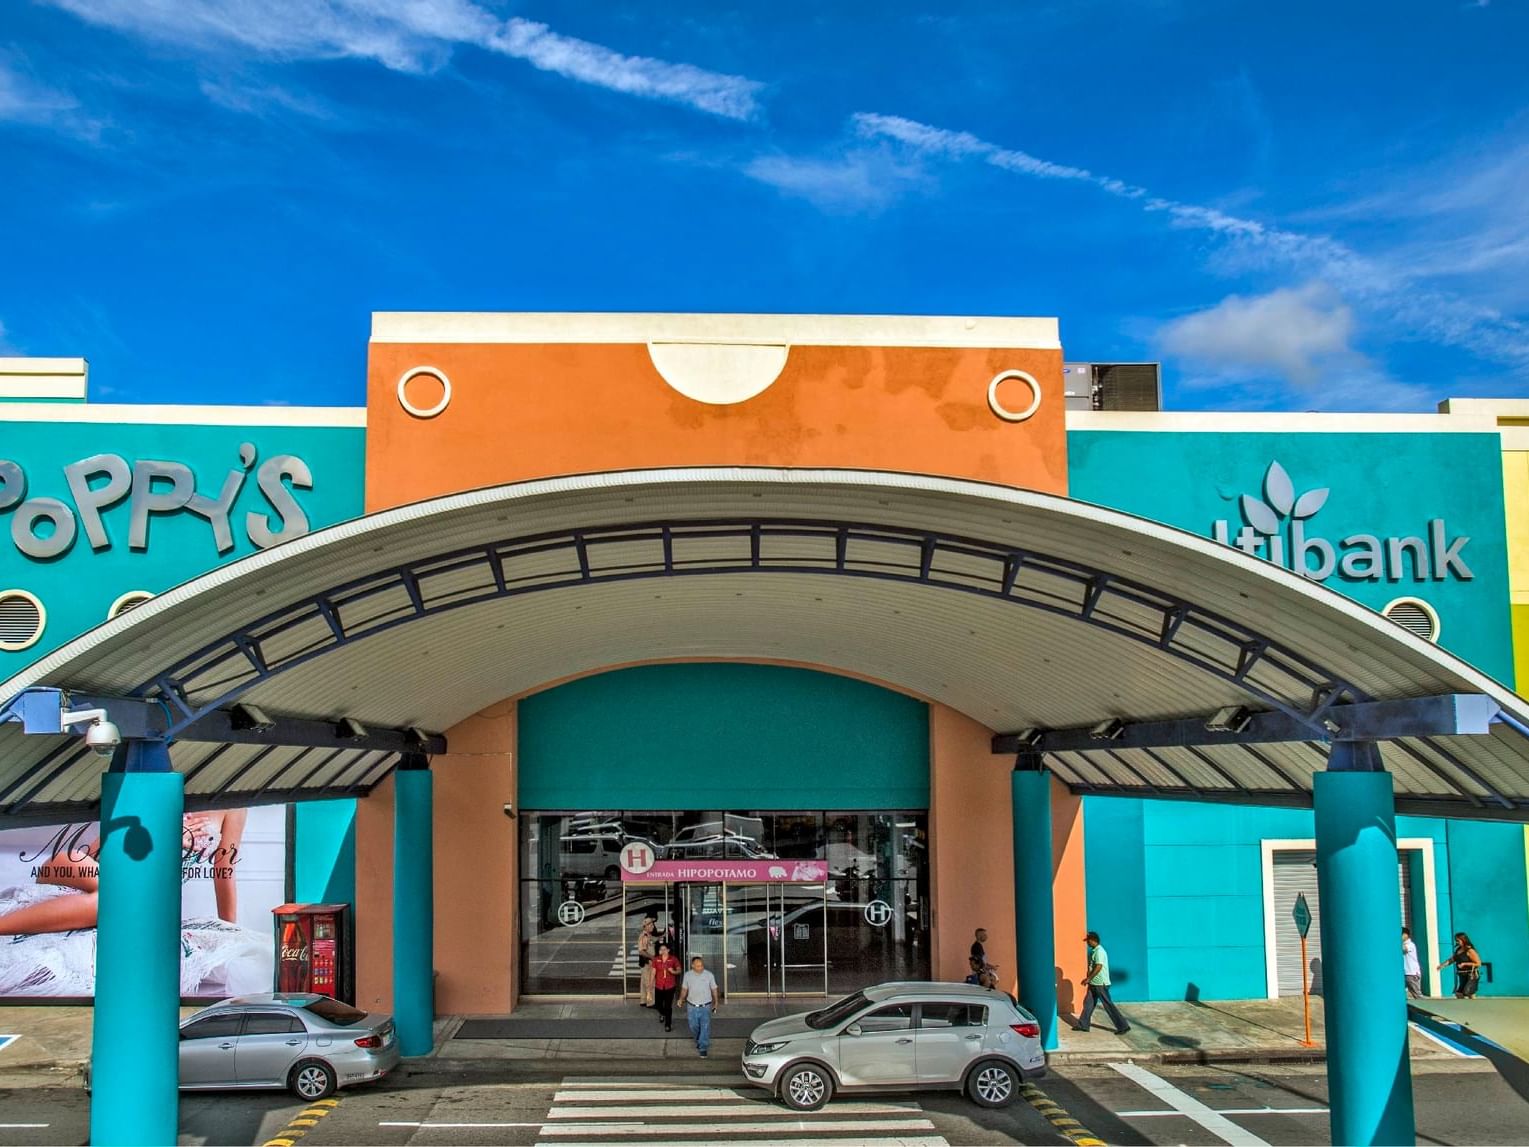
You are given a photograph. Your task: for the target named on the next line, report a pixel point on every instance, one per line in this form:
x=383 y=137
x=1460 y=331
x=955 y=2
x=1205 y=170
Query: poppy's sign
x=44 y=527
x=1278 y=527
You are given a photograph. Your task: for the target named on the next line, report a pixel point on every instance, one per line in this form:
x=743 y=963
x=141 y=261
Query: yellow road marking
x=1058 y=1116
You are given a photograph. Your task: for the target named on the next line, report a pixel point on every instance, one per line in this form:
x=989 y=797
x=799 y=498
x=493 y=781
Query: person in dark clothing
x=1467 y=962
x=1099 y=987
x=979 y=949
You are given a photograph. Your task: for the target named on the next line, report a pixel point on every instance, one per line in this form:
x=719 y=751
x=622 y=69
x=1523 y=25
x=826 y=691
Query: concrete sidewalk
x=54 y=1042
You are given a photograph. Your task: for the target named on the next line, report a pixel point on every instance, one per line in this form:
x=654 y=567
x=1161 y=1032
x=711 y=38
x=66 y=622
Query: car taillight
x=1031 y=1030
x=369 y=1041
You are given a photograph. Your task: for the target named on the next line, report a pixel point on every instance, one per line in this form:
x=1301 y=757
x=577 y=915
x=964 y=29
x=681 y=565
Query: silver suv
x=899 y=1037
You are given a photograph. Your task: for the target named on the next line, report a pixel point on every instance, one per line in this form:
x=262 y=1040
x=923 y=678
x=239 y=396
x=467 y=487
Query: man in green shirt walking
x=1099 y=987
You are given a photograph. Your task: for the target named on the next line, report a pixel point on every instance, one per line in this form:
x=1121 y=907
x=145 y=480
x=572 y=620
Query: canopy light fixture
x=415 y=737
x=245 y=717
x=1030 y=737
x=1232 y=719
x=1108 y=730
x=350 y=729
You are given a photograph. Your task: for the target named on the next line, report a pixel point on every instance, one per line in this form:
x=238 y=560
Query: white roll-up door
x=1295 y=872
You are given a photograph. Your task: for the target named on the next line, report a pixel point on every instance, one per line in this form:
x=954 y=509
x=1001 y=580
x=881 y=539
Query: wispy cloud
x=413 y=36
x=26 y=100
x=6 y=346
x=1424 y=312
x=859 y=179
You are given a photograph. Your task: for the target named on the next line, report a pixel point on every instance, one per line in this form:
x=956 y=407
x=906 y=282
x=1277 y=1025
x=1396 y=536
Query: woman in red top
x=666 y=978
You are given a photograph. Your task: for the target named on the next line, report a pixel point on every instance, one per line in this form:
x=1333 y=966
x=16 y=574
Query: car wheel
x=312 y=1079
x=612 y=873
x=993 y=1084
x=806 y=1087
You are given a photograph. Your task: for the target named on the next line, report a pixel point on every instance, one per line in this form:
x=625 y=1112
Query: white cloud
x=1291 y=331
x=6 y=348
x=26 y=100
x=413 y=36
x=858 y=179
x=1410 y=304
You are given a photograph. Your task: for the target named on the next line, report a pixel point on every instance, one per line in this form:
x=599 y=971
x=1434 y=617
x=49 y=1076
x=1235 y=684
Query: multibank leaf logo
x=1277 y=527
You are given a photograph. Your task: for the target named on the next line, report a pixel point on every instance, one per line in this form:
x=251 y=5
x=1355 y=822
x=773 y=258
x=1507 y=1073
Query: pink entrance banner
x=716 y=871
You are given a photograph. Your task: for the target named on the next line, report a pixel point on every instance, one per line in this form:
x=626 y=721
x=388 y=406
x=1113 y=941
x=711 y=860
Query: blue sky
x=1296 y=206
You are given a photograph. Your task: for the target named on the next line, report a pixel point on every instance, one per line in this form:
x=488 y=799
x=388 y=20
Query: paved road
x=576 y=1104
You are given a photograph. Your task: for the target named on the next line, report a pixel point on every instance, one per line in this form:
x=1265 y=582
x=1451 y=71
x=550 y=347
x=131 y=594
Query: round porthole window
x=22 y=618
x=132 y=599
x=1003 y=405
x=1415 y=616
x=424 y=391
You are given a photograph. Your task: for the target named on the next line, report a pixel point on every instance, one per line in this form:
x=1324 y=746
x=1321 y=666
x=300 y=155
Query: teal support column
x=1369 y=1078
x=135 y=1039
x=413 y=908
x=1035 y=938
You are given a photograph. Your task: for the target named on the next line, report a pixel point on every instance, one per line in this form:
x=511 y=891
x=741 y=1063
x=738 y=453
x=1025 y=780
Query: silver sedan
x=308 y=1043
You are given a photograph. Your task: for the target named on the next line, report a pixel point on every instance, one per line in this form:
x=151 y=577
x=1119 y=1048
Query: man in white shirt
x=699 y=996
x=1412 y=971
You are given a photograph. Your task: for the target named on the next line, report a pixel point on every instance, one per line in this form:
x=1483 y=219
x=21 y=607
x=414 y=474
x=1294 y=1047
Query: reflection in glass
x=869 y=924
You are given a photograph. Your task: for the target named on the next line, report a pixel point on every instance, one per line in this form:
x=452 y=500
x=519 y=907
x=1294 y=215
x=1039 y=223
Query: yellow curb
x=1058 y=1116
x=280 y=1143
x=315 y=1112
x=303 y=1123
x=325 y=1103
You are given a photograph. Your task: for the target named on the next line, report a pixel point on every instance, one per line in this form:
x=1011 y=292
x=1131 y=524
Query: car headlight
x=766 y=1048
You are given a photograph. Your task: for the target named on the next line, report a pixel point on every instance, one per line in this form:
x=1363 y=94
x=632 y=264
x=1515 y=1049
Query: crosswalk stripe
x=772 y=1127
x=590 y=1095
x=607 y=1111
x=598 y=1082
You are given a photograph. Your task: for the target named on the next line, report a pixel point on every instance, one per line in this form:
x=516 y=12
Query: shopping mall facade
x=808 y=779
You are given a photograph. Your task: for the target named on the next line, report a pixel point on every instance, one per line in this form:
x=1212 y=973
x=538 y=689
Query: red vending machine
x=313 y=950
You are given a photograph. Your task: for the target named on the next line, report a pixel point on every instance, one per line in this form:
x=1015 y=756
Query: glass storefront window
x=869 y=922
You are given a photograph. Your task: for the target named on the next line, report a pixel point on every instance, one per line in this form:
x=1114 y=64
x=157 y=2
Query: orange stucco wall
x=476 y=855
x=971 y=846
x=523 y=411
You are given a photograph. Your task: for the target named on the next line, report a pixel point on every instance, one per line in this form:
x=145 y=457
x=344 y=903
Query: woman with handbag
x=1467 y=962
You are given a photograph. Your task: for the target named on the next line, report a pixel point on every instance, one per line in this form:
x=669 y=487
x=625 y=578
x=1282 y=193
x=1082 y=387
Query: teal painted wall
x=78 y=587
x=1176 y=888
x=1383 y=484
x=719 y=736
x=1487 y=881
x=324 y=864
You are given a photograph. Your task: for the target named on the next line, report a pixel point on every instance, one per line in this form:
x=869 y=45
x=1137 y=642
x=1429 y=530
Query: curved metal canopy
x=1022 y=610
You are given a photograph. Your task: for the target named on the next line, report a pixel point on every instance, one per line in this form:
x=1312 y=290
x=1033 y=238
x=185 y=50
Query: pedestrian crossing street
x=621 y=1111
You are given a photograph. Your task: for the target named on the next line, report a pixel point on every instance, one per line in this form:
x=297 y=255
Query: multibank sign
x=1280 y=526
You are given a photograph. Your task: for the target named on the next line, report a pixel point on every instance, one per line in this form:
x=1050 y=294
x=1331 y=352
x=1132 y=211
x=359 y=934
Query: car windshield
x=837 y=1012
x=341 y=1015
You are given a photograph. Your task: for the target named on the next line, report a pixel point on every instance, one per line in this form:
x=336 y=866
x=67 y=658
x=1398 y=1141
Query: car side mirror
x=854 y=1029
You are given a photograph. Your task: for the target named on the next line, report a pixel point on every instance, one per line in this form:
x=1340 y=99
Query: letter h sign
x=637 y=858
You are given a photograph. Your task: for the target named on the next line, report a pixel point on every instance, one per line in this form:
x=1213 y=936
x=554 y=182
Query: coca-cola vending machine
x=313 y=950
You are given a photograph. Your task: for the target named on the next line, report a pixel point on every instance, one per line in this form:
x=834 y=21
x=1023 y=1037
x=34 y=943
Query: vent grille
x=128 y=601
x=1127 y=386
x=21 y=619
x=1415 y=617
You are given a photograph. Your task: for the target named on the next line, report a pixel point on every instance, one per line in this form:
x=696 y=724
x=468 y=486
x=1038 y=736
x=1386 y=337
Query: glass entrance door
x=776 y=939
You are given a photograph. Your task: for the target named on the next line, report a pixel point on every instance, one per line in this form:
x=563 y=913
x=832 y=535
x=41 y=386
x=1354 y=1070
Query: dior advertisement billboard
x=233 y=869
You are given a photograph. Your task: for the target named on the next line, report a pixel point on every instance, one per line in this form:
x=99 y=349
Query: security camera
x=103 y=737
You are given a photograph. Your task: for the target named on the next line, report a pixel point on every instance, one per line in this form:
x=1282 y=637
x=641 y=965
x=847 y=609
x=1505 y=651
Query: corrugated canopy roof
x=1018 y=609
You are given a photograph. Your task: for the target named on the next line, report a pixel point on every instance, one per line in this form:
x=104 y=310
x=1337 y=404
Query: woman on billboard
x=54 y=916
